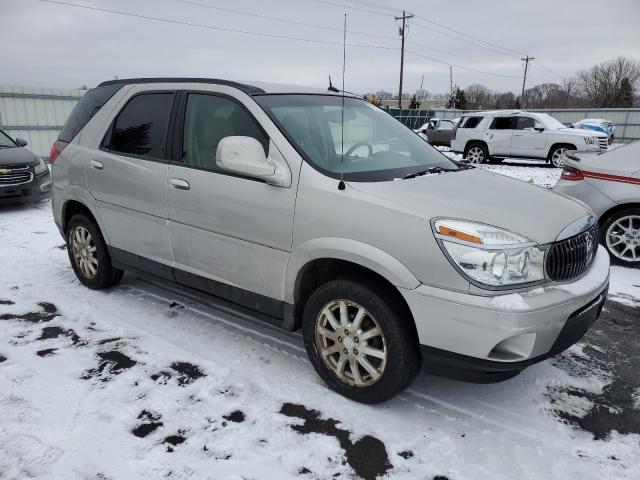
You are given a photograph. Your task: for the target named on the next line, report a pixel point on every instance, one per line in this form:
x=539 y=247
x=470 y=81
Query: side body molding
x=349 y=250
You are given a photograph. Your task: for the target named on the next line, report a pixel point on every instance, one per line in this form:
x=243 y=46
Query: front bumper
x=34 y=191
x=495 y=337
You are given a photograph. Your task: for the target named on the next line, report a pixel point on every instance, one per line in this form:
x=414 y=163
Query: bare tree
x=601 y=85
x=478 y=96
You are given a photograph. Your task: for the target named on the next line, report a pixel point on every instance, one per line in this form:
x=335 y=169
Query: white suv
x=483 y=136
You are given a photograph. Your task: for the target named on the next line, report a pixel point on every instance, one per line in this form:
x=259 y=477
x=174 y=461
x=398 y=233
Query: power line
x=258 y=34
x=279 y=19
x=312 y=25
x=326 y=2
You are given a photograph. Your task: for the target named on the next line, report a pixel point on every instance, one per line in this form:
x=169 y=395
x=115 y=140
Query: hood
x=582 y=132
x=17 y=156
x=534 y=212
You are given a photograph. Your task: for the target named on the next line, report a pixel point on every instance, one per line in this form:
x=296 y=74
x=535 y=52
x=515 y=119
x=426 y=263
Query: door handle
x=179 y=184
x=517 y=134
x=96 y=165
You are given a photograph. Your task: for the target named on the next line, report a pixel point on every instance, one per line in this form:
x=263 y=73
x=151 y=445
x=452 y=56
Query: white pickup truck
x=485 y=136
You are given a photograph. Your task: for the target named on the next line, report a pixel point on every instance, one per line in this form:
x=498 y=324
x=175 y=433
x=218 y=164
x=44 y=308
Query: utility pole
x=526 y=61
x=404 y=18
x=421 y=84
x=453 y=100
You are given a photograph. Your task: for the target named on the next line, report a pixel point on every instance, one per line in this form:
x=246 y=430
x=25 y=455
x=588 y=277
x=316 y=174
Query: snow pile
x=511 y=302
x=141 y=382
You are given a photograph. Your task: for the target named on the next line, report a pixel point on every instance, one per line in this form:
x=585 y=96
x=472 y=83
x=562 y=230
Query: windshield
x=376 y=147
x=549 y=122
x=5 y=141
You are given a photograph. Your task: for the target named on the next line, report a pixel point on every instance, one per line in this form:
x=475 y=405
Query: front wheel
x=89 y=255
x=557 y=156
x=620 y=234
x=360 y=342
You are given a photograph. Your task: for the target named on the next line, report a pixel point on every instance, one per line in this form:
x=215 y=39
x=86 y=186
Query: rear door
x=526 y=140
x=499 y=135
x=128 y=176
x=231 y=235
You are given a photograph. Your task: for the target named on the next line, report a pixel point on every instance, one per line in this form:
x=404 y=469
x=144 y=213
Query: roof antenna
x=331 y=87
x=341 y=185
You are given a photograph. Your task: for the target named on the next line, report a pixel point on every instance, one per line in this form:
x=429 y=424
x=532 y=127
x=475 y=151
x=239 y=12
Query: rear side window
x=503 y=123
x=470 y=122
x=86 y=108
x=140 y=129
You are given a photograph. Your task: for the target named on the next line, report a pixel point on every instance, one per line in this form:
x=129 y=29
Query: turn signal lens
x=457 y=234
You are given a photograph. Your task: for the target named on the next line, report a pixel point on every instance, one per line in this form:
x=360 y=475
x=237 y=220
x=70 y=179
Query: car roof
x=251 y=88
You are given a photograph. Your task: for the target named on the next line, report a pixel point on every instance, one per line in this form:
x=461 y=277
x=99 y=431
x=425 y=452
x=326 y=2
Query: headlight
x=41 y=167
x=490 y=256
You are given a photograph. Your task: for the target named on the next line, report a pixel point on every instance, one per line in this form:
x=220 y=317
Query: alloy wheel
x=557 y=159
x=84 y=252
x=623 y=238
x=475 y=155
x=351 y=343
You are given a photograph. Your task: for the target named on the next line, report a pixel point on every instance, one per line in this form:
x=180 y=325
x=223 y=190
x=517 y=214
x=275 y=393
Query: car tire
x=89 y=255
x=619 y=233
x=556 y=155
x=476 y=153
x=610 y=140
x=351 y=370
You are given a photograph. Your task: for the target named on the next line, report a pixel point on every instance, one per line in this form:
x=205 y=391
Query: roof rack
x=249 y=89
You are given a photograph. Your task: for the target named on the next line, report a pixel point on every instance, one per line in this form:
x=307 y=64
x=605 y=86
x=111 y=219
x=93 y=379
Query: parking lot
x=143 y=382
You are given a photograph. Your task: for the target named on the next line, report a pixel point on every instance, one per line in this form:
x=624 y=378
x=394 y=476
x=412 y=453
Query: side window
x=85 y=109
x=209 y=119
x=445 y=125
x=140 y=128
x=502 y=123
x=470 y=122
x=526 y=123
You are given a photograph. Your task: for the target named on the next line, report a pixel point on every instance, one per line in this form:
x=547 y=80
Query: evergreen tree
x=414 y=104
x=624 y=96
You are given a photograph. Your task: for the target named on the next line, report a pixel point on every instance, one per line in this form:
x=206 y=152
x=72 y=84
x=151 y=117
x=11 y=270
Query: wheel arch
x=469 y=143
x=615 y=209
x=321 y=260
x=559 y=144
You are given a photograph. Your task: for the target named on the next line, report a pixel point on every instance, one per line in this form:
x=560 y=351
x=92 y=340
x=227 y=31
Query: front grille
x=570 y=258
x=604 y=143
x=10 y=176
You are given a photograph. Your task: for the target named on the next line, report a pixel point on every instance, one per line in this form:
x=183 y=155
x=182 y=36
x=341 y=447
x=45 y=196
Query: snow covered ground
x=143 y=382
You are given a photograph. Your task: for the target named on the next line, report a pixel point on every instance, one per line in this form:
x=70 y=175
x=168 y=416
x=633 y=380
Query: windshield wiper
x=429 y=170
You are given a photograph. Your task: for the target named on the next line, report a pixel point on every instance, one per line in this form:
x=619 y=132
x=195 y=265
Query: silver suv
x=318 y=211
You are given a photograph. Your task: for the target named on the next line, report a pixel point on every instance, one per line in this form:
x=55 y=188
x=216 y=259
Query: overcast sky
x=55 y=45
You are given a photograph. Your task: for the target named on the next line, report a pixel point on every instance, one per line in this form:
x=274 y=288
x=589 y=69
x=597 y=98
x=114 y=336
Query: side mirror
x=424 y=130
x=245 y=155
x=21 y=142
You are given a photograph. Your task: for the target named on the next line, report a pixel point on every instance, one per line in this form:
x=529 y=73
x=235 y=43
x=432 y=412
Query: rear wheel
x=89 y=255
x=476 y=153
x=360 y=341
x=620 y=234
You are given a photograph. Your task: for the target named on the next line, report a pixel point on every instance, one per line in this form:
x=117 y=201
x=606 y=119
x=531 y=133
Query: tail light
x=570 y=173
x=56 y=149
x=455 y=130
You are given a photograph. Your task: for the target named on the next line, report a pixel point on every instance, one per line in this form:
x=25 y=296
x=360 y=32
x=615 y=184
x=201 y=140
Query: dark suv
x=24 y=178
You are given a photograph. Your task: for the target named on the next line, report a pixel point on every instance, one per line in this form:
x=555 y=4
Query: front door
x=527 y=141
x=230 y=234
x=128 y=177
